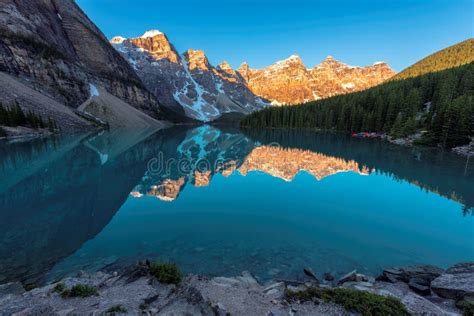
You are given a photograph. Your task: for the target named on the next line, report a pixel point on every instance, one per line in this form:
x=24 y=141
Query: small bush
x=361 y=302
x=117 y=309
x=167 y=273
x=466 y=306
x=80 y=290
x=3 y=133
x=59 y=288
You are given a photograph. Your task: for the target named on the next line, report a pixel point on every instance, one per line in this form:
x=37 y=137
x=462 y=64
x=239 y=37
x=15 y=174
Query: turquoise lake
x=219 y=201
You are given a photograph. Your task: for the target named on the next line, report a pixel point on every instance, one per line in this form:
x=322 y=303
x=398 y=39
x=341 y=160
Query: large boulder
x=424 y=274
x=456 y=283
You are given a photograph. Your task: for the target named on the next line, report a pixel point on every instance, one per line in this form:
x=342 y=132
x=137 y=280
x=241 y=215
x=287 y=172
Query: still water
x=219 y=201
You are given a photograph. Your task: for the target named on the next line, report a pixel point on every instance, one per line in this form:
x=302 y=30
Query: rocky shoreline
x=137 y=290
x=466 y=150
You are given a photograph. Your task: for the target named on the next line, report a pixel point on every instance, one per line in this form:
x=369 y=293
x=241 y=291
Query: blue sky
x=263 y=31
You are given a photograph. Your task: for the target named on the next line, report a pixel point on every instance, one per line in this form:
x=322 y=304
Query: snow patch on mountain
x=151 y=33
x=349 y=85
x=117 y=40
x=94 y=92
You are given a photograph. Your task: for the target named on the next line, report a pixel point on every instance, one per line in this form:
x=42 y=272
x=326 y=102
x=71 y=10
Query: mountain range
x=290 y=82
x=429 y=103
x=56 y=64
x=188 y=84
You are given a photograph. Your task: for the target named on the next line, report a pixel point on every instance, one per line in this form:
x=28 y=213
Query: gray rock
x=189 y=301
x=309 y=272
x=14 y=288
x=350 y=277
x=275 y=290
x=464 y=267
x=296 y=289
x=421 y=306
x=247 y=279
x=328 y=276
x=414 y=303
x=456 y=282
x=226 y=282
x=418 y=286
x=291 y=282
x=426 y=272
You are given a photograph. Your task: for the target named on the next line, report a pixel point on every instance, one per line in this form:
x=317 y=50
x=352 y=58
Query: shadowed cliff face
x=53 y=47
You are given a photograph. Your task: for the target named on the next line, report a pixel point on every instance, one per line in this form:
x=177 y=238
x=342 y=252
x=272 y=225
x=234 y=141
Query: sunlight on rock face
x=287 y=163
x=168 y=190
x=202 y=179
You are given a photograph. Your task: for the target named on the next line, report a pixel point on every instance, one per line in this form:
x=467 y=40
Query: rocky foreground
x=136 y=290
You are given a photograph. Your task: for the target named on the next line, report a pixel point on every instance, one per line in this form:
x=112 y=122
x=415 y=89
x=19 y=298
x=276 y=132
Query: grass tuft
x=466 y=306
x=59 y=288
x=117 y=309
x=80 y=290
x=365 y=303
x=167 y=273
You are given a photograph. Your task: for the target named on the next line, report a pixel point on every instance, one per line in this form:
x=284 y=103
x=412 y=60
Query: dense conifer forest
x=439 y=104
x=15 y=116
x=434 y=96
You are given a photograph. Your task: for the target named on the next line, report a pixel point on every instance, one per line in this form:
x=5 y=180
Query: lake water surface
x=219 y=201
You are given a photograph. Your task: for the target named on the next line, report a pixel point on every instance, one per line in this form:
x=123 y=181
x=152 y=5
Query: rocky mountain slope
x=187 y=83
x=52 y=47
x=290 y=82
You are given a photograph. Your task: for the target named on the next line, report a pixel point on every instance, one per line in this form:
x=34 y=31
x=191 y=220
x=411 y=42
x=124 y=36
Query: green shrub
x=167 y=273
x=361 y=302
x=466 y=306
x=117 y=309
x=59 y=288
x=80 y=290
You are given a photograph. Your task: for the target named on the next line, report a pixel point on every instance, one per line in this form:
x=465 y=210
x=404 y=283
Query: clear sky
x=358 y=32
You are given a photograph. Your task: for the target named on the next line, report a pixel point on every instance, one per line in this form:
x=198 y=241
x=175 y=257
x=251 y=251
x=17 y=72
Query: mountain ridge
x=186 y=83
x=289 y=81
x=434 y=109
x=189 y=84
x=453 y=56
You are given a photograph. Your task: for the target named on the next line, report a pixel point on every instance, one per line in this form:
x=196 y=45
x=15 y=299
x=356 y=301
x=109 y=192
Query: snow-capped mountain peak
x=293 y=59
x=226 y=67
x=151 y=33
x=187 y=83
x=117 y=40
x=197 y=59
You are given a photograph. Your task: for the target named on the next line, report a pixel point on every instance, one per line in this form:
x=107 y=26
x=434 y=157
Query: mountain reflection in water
x=59 y=196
